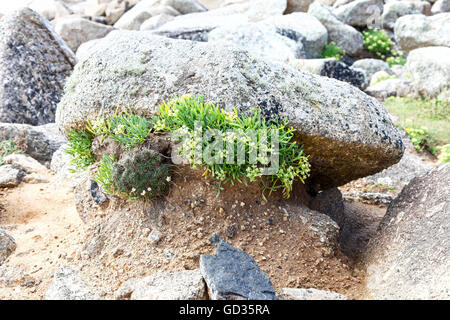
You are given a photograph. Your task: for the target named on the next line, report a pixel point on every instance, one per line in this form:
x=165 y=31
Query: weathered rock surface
x=308 y=294
x=304 y=27
x=297 y=6
x=7 y=244
x=416 y=31
x=346 y=133
x=332 y=68
x=430 y=71
x=395 y=9
x=390 y=88
x=183 y=285
x=76 y=30
x=409 y=256
x=34 y=62
x=68 y=285
x=9 y=176
x=185 y=6
x=24 y=163
x=371 y=66
x=345 y=36
x=231 y=274
x=359 y=13
x=261 y=40
x=39 y=142
x=440 y=6
x=155 y=22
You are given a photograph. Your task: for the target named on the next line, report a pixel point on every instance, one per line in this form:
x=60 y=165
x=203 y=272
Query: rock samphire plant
x=232 y=148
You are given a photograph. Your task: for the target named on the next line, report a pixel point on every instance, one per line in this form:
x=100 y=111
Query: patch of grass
x=104 y=174
x=80 y=149
x=428 y=115
x=332 y=50
x=8 y=147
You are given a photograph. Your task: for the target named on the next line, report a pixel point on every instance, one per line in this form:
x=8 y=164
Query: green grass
x=332 y=50
x=418 y=115
x=80 y=149
x=8 y=147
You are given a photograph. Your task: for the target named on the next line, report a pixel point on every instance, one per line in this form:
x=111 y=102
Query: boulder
x=359 y=13
x=332 y=68
x=261 y=40
x=39 y=142
x=440 y=6
x=300 y=26
x=50 y=9
x=7 y=244
x=371 y=66
x=345 y=36
x=297 y=6
x=416 y=31
x=196 y=26
x=395 y=9
x=114 y=10
x=34 y=62
x=76 y=30
x=10 y=177
x=430 y=71
x=409 y=257
x=68 y=285
x=232 y=274
x=308 y=294
x=183 y=285
x=155 y=22
x=24 y=163
x=346 y=133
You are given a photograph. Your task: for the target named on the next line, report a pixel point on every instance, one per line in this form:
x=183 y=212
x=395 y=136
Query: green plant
x=184 y=113
x=8 y=147
x=141 y=174
x=444 y=153
x=397 y=59
x=378 y=42
x=80 y=148
x=332 y=50
x=382 y=77
x=420 y=139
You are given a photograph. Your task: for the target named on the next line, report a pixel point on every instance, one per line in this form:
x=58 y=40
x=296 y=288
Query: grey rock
x=7 y=245
x=24 y=163
x=345 y=36
x=416 y=31
x=185 y=6
x=330 y=202
x=440 y=6
x=390 y=88
x=232 y=274
x=183 y=285
x=308 y=294
x=87 y=197
x=374 y=198
x=332 y=68
x=39 y=142
x=75 y=30
x=395 y=9
x=359 y=13
x=50 y=9
x=409 y=257
x=346 y=133
x=430 y=72
x=155 y=236
x=261 y=40
x=34 y=62
x=304 y=27
x=10 y=177
x=370 y=66
x=114 y=10
x=155 y=22
x=196 y=26
x=68 y=285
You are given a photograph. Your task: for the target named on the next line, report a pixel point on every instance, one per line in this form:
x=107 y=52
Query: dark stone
x=232 y=274
x=340 y=71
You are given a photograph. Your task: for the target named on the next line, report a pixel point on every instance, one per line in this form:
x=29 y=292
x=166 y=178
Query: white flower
x=133 y=190
x=143 y=193
x=168 y=179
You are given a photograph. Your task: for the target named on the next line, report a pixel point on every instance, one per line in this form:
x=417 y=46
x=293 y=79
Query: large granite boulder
x=34 y=62
x=345 y=36
x=409 y=258
x=393 y=10
x=429 y=68
x=416 y=31
x=359 y=13
x=346 y=133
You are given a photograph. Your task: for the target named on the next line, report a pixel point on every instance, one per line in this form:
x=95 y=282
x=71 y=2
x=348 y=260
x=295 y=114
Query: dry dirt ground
x=49 y=234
